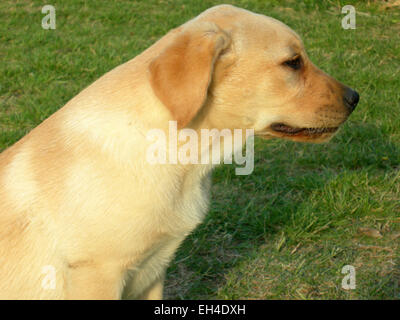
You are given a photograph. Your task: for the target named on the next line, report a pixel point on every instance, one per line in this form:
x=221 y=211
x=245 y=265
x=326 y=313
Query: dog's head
x=231 y=68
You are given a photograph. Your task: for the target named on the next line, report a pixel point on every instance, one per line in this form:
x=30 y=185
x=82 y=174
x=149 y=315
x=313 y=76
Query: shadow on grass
x=249 y=211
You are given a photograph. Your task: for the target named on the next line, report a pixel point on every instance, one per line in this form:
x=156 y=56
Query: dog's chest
x=172 y=211
x=196 y=196
x=189 y=209
x=191 y=202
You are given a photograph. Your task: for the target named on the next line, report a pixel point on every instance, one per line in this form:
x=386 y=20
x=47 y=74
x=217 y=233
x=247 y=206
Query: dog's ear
x=181 y=74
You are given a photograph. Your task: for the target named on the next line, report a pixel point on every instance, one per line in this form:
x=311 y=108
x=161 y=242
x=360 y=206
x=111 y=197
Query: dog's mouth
x=282 y=130
x=296 y=131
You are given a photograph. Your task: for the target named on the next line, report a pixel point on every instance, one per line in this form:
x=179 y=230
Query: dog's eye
x=295 y=63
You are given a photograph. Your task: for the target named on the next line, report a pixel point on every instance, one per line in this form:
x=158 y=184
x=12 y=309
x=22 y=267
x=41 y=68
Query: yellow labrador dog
x=84 y=215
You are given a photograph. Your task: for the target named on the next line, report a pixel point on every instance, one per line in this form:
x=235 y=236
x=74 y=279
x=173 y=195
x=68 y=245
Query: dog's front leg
x=147 y=281
x=155 y=291
x=143 y=286
x=93 y=282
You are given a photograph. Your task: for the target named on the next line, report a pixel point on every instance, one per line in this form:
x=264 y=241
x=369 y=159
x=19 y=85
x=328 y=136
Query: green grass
x=285 y=231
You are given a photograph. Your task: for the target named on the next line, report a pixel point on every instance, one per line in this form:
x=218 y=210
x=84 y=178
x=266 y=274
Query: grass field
x=286 y=230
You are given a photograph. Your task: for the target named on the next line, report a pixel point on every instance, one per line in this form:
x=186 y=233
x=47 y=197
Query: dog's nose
x=351 y=98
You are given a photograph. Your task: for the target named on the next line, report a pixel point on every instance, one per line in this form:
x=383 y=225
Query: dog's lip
x=293 y=131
